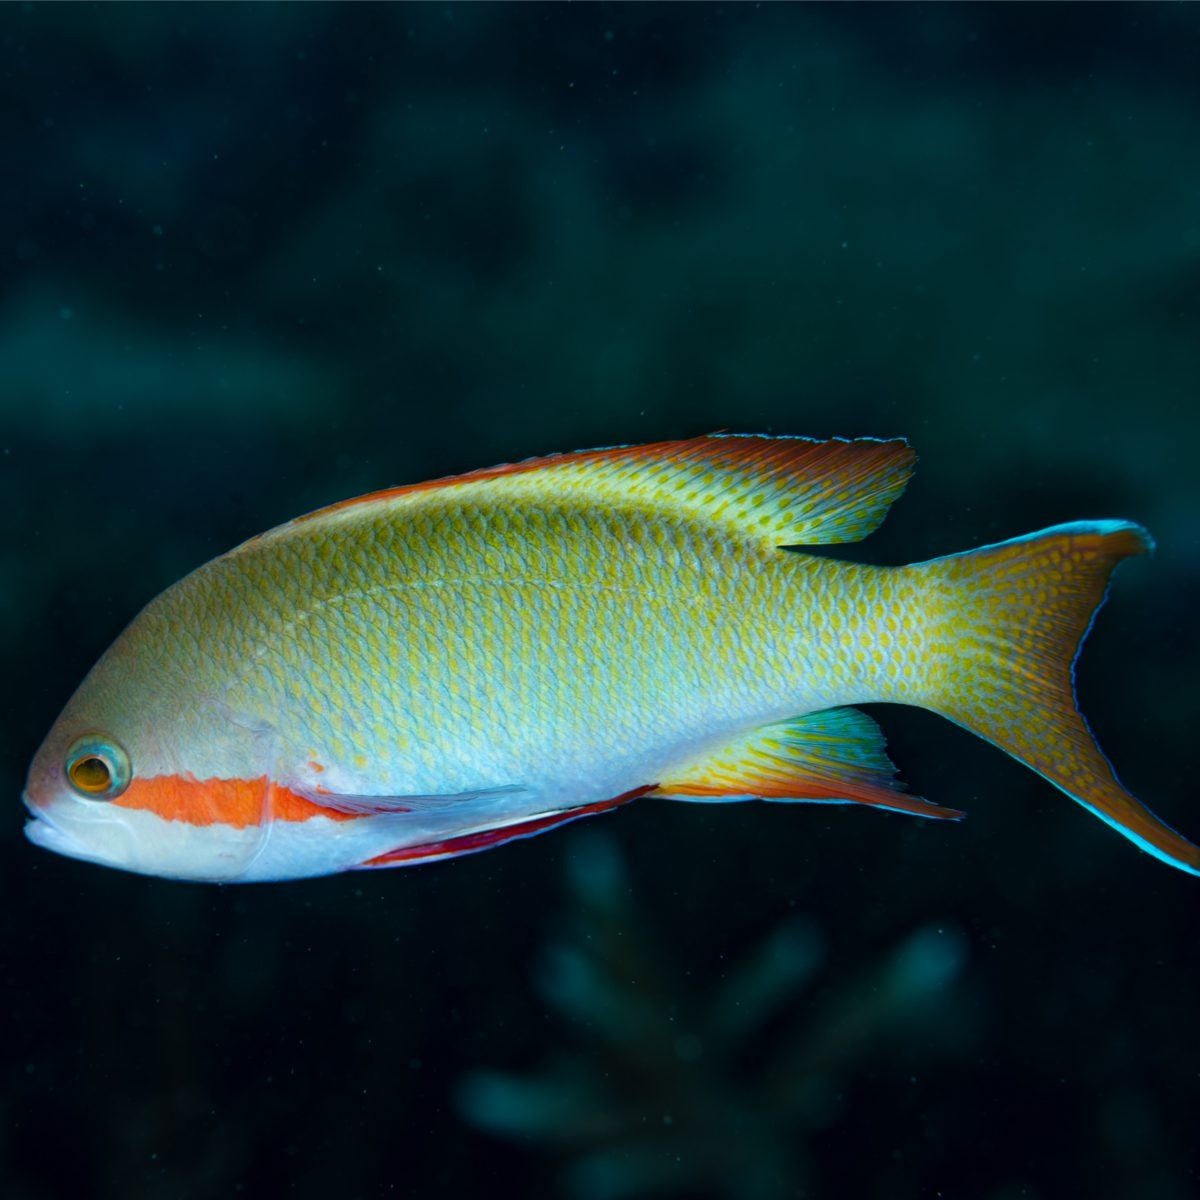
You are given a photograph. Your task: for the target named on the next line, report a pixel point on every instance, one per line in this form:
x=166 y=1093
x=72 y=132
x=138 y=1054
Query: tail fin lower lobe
x=1009 y=622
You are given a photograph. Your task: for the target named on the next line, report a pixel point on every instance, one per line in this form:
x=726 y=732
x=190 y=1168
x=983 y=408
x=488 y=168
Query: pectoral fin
x=496 y=799
x=835 y=756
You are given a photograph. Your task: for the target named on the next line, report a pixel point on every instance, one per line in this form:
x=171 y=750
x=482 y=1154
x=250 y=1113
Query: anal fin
x=833 y=756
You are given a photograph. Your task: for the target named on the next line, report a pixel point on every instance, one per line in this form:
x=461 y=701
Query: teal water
x=256 y=259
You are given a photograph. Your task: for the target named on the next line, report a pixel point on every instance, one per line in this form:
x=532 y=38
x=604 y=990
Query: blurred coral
x=672 y=1091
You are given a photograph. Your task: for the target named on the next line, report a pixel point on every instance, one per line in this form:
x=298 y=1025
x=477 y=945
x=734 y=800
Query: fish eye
x=97 y=768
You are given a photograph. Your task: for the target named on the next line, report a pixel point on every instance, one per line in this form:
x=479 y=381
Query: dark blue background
x=257 y=258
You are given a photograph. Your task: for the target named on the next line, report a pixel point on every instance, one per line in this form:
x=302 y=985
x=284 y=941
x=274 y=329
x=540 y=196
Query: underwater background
x=254 y=259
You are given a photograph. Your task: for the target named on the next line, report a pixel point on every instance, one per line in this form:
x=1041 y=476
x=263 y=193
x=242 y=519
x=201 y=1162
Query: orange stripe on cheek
x=235 y=802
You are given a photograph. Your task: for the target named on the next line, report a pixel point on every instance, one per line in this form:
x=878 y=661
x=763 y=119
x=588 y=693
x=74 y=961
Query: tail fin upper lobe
x=1009 y=622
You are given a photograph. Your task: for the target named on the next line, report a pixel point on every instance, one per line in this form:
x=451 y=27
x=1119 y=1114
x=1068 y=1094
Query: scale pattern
x=468 y=647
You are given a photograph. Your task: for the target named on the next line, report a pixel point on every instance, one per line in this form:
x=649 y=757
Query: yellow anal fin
x=837 y=755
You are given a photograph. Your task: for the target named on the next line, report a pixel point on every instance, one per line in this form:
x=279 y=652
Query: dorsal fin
x=784 y=490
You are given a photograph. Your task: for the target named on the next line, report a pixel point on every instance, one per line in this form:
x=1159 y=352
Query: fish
x=439 y=668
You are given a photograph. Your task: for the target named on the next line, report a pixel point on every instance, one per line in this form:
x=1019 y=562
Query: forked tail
x=1008 y=621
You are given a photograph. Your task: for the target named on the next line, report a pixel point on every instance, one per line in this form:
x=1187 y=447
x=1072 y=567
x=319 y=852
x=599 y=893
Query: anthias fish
x=431 y=670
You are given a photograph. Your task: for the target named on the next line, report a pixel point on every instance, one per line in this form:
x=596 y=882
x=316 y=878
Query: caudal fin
x=1011 y=619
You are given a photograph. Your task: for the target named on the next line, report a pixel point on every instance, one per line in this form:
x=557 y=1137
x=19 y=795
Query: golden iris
x=97 y=767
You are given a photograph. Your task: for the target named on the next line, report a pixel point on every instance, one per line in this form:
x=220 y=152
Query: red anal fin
x=485 y=839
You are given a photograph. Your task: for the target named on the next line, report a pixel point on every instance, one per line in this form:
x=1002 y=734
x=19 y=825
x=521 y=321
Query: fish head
x=146 y=768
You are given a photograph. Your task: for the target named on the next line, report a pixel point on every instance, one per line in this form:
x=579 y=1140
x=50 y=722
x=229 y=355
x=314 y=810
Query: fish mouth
x=41 y=833
x=42 y=830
